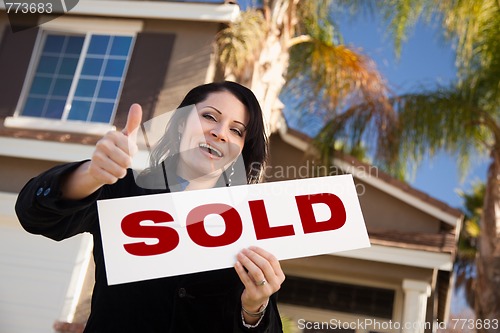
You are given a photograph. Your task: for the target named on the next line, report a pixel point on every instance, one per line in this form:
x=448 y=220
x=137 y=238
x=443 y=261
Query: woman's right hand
x=112 y=156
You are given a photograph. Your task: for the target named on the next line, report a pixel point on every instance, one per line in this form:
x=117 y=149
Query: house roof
x=166 y=10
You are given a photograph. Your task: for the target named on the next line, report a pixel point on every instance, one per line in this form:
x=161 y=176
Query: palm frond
x=447 y=118
x=401 y=15
x=474 y=26
x=336 y=74
x=238 y=45
x=344 y=87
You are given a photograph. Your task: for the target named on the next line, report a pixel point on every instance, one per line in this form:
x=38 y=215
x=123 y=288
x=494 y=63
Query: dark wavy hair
x=255 y=148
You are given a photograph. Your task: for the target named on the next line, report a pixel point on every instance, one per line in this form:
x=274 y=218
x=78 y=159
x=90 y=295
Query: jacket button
x=46 y=192
x=182 y=292
x=39 y=191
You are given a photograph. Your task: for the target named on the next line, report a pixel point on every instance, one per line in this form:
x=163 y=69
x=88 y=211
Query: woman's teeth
x=211 y=150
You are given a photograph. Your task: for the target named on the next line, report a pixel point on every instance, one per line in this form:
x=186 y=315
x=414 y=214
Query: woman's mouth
x=212 y=151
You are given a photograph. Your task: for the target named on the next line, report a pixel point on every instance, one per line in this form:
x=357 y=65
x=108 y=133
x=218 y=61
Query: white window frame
x=68 y=25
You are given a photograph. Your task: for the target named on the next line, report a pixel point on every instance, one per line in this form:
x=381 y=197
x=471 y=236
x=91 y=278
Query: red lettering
x=309 y=223
x=168 y=239
x=261 y=222
x=198 y=233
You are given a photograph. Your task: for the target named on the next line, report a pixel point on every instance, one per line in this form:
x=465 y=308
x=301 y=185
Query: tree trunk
x=488 y=260
x=267 y=77
x=268 y=80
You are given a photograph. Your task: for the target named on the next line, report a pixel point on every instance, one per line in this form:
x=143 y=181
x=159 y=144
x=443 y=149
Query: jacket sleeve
x=271 y=323
x=41 y=209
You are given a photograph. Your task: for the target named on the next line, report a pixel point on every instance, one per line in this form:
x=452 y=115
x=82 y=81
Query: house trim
x=37 y=123
x=87 y=24
x=223 y=13
x=56 y=151
x=398 y=256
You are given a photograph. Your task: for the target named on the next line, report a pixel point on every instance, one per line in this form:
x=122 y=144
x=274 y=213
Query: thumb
x=134 y=119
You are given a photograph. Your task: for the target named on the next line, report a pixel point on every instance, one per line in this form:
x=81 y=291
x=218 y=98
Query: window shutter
x=146 y=73
x=15 y=55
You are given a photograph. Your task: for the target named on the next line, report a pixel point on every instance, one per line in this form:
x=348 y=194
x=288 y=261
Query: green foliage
x=447 y=118
x=468 y=240
x=240 y=43
x=461 y=118
x=288 y=325
x=473 y=25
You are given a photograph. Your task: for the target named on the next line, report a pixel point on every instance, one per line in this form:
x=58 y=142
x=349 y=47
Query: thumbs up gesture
x=113 y=153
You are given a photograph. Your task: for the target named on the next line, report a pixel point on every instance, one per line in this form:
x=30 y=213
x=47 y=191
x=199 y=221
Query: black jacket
x=200 y=302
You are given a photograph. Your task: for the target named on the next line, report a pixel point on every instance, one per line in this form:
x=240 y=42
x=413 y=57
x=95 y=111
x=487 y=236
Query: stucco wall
x=15 y=172
x=3 y=22
x=190 y=61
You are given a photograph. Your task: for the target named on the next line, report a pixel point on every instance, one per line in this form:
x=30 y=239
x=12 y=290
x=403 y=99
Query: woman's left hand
x=262 y=278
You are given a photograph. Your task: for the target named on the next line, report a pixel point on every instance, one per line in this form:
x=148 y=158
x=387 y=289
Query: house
x=71 y=79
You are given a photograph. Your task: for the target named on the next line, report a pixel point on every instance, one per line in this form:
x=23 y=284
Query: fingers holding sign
x=261 y=274
x=113 y=153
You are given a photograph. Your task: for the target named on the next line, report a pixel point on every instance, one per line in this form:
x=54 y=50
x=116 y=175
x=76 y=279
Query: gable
x=390 y=220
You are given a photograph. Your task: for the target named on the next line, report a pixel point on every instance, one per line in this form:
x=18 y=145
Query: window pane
x=98 y=81
x=61 y=87
x=79 y=110
x=114 y=68
x=92 y=66
x=33 y=107
x=68 y=66
x=47 y=65
x=55 y=109
x=86 y=88
x=40 y=85
x=102 y=112
x=121 y=45
x=75 y=44
x=109 y=89
x=98 y=44
x=54 y=43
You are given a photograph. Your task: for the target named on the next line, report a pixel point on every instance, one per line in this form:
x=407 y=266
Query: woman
x=199 y=147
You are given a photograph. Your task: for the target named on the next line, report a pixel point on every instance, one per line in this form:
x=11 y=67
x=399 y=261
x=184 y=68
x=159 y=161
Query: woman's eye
x=237 y=131
x=209 y=117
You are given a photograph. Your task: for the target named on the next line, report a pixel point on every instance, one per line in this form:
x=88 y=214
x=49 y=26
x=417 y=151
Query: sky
x=426 y=59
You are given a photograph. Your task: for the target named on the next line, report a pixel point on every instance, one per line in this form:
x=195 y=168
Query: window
x=77 y=77
x=341 y=297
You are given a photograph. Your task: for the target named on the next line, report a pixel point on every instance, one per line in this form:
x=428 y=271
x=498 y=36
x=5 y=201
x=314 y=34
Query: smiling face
x=212 y=137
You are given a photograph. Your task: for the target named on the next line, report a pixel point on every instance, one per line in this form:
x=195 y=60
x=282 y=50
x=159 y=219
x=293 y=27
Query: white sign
x=161 y=235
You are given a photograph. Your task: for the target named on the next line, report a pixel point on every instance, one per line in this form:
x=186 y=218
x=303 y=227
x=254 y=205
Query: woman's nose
x=219 y=133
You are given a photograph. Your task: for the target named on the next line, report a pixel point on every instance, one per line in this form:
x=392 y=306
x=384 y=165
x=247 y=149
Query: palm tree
x=465 y=118
x=295 y=42
x=462 y=118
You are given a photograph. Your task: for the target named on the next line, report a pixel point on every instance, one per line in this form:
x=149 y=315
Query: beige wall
x=384 y=212
x=3 y=23
x=192 y=46
x=15 y=172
